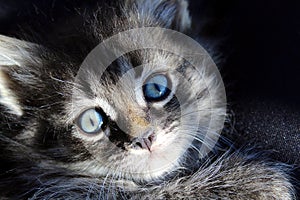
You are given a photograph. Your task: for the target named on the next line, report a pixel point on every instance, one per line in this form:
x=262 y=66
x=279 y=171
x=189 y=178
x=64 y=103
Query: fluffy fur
x=44 y=156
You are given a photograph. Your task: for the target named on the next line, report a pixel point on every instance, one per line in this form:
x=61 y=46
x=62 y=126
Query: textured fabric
x=272 y=126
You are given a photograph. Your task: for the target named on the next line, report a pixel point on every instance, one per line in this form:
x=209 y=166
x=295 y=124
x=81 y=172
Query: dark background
x=259 y=43
x=257 y=46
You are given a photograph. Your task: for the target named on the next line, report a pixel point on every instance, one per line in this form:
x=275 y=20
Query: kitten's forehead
x=130 y=70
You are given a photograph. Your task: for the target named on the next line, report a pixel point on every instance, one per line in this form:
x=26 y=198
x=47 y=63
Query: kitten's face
x=137 y=117
x=136 y=120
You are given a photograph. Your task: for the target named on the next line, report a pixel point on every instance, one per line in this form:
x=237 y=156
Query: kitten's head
x=134 y=118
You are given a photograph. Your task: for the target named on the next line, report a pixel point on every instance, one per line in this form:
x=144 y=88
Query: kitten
x=71 y=132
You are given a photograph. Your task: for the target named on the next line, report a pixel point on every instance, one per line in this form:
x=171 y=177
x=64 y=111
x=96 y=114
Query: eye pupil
x=91 y=121
x=156 y=88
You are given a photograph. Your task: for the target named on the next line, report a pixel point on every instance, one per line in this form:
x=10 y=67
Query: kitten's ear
x=173 y=14
x=15 y=56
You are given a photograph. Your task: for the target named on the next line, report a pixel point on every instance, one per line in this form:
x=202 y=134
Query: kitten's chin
x=157 y=165
x=162 y=159
x=164 y=156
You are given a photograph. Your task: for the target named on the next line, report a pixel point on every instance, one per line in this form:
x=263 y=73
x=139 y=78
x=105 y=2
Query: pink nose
x=143 y=142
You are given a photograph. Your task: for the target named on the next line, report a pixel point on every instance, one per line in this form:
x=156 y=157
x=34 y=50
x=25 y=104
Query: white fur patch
x=13 y=52
x=7 y=97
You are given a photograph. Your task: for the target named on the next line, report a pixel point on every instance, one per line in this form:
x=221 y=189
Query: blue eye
x=156 y=88
x=91 y=121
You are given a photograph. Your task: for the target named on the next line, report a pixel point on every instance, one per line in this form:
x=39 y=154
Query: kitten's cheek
x=162 y=141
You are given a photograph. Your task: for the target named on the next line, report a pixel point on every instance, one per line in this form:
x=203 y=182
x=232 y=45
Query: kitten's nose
x=143 y=142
